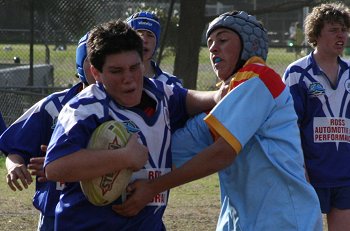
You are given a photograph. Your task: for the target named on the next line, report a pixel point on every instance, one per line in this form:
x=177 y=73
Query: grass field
x=64 y=62
x=192 y=207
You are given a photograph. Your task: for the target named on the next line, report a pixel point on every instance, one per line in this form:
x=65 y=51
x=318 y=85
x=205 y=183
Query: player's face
x=122 y=77
x=149 y=43
x=332 y=40
x=224 y=46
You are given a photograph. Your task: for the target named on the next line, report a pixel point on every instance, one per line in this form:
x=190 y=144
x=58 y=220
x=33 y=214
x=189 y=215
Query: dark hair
x=112 y=37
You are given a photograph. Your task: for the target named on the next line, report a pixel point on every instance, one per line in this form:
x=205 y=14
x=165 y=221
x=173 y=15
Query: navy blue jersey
x=324 y=119
x=28 y=132
x=77 y=121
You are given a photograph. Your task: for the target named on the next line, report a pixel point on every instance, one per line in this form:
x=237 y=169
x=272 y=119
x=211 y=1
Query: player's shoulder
x=165 y=76
x=169 y=79
x=59 y=98
x=92 y=100
x=257 y=69
x=301 y=63
x=295 y=70
x=344 y=63
x=93 y=92
x=52 y=99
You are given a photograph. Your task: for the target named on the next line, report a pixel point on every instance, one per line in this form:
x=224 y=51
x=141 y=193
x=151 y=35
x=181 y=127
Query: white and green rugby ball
x=104 y=190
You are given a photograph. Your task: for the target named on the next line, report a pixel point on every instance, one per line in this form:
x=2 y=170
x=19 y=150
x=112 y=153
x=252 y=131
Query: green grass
x=16 y=209
x=194 y=206
x=64 y=62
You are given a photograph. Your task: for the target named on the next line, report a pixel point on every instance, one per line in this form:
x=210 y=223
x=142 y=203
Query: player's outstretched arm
x=212 y=159
x=200 y=101
x=18 y=177
x=88 y=163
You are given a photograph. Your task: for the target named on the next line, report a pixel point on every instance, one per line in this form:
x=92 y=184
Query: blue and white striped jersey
x=28 y=132
x=78 y=120
x=324 y=119
x=164 y=76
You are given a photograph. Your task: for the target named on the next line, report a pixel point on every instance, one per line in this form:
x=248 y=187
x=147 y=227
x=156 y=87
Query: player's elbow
x=50 y=173
x=225 y=153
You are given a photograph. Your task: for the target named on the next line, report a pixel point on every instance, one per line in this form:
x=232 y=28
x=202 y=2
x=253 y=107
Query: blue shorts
x=46 y=223
x=338 y=197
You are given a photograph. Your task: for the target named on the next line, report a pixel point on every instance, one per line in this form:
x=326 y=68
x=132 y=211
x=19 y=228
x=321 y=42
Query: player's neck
x=324 y=58
x=149 y=71
x=147 y=104
x=329 y=65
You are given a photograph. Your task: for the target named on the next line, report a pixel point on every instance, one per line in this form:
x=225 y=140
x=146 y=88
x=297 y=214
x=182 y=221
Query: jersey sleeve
x=74 y=127
x=292 y=78
x=34 y=128
x=242 y=112
x=177 y=106
x=190 y=140
x=28 y=132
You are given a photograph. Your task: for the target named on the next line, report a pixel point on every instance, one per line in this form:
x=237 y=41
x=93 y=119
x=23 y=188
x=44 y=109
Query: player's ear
x=96 y=73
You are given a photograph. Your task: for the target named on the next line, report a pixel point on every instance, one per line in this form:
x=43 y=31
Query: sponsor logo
x=143 y=23
x=347 y=85
x=333 y=130
x=160 y=199
x=316 y=89
x=131 y=126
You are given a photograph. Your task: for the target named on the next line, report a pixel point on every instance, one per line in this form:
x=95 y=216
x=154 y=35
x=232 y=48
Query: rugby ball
x=106 y=189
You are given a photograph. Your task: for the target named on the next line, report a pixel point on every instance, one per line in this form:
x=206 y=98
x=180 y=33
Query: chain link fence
x=53 y=27
x=38 y=41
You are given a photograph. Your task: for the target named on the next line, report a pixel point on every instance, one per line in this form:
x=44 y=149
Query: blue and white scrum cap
x=81 y=55
x=252 y=34
x=144 y=20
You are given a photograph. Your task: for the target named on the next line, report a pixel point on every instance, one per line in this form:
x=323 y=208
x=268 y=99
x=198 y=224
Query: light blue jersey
x=265 y=187
x=190 y=140
x=76 y=123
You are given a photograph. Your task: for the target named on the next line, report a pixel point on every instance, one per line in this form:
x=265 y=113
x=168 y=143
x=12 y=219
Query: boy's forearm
x=85 y=164
x=13 y=159
x=210 y=160
x=199 y=101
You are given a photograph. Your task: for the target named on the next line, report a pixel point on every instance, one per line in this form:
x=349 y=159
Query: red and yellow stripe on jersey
x=254 y=67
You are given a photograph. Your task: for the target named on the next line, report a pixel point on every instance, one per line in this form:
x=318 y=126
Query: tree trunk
x=191 y=25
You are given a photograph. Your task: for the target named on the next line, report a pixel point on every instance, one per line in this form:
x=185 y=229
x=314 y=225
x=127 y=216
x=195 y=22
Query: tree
x=191 y=26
